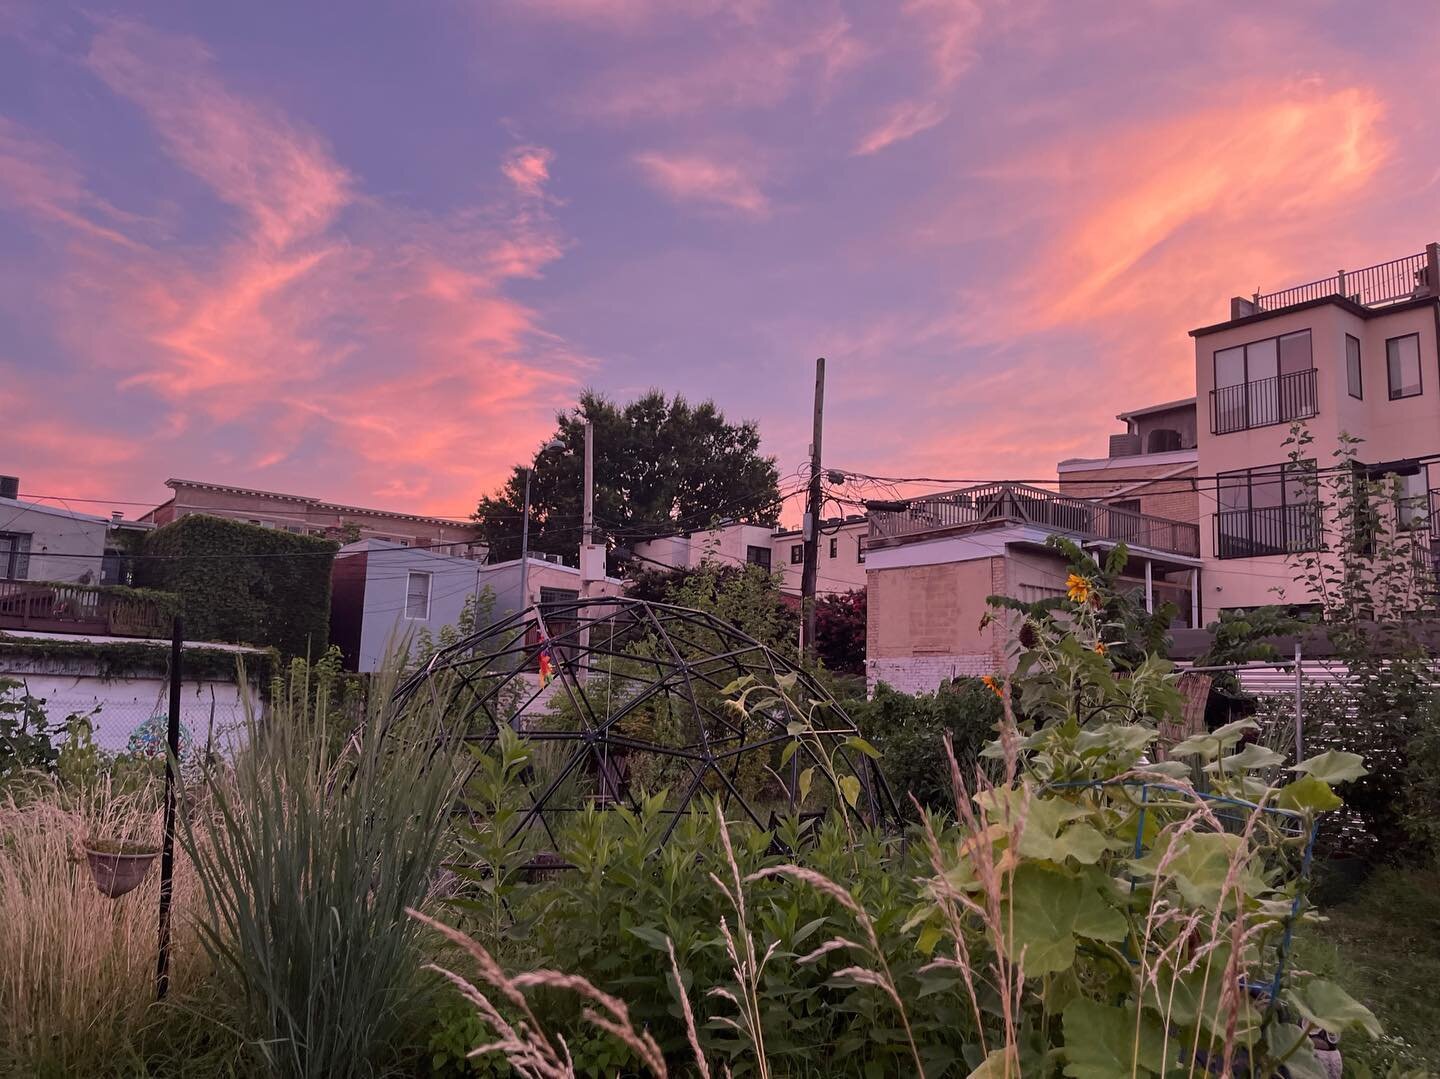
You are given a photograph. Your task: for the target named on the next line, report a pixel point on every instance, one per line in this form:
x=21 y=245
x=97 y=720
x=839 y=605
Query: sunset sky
x=365 y=250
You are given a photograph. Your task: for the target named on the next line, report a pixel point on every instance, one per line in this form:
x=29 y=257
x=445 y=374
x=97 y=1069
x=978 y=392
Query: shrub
x=910 y=732
x=244 y=584
x=308 y=862
x=840 y=631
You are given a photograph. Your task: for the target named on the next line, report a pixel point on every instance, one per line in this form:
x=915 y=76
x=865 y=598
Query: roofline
x=1339 y=301
x=174 y=484
x=1151 y=409
x=1083 y=464
x=52 y=511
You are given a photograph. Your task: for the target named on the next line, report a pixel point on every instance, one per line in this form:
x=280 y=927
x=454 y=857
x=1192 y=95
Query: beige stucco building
x=1354 y=353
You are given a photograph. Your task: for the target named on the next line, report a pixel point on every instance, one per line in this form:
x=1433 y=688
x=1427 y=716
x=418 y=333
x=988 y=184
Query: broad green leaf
x=1199 y=867
x=807 y=777
x=929 y=937
x=1328 y=1006
x=1083 y=842
x=653 y=937
x=788 y=752
x=858 y=743
x=1041 y=918
x=1102 y=1042
x=737 y=685
x=850 y=788
x=1310 y=793
x=1216 y=742
x=1333 y=766
x=787 y=681
x=1098 y=920
x=1252 y=756
x=1288 y=1038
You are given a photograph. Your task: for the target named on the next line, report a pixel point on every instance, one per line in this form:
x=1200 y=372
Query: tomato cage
x=1275 y=876
x=617 y=698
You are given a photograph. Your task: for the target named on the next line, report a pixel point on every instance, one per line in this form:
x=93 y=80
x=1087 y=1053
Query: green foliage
x=660 y=463
x=244 y=584
x=308 y=860
x=910 y=732
x=123 y=659
x=840 y=631
x=33 y=746
x=747 y=597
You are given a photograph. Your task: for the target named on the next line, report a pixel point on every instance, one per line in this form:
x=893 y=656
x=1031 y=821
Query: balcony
x=1262 y=403
x=54 y=607
x=1268 y=530
x=1018 y=503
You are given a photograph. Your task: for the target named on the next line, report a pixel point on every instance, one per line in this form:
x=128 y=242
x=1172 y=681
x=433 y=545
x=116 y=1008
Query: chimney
x=9 y=486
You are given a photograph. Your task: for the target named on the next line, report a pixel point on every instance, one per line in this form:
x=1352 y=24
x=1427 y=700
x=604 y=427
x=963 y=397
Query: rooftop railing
x=1019 y=503
x=1374 y=286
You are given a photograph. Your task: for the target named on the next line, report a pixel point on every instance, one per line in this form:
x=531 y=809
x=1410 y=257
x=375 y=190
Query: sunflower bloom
x=993 y=686
x=1099 y=648
x=1077 y=588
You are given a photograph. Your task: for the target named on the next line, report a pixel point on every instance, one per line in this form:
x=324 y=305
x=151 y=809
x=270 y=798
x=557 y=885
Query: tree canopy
x=661 y=464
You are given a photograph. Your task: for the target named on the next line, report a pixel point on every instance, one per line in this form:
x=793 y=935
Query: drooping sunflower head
x=1077 y=588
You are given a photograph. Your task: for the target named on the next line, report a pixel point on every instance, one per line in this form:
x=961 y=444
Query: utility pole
x=811 y=528
x=589 y=571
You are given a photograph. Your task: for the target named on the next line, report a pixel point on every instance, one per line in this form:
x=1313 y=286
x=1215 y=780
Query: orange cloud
x=691 y=177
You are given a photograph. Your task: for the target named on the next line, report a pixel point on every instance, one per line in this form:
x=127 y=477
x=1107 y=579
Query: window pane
x=1230 y=367
x=1234 y=490
x=1402 y=358
x=1266 y=488
x=1295 y=353
x=1261 y=367
x=1412 y=509
x=417 y=596
x=797 y=554
x=1353 y=378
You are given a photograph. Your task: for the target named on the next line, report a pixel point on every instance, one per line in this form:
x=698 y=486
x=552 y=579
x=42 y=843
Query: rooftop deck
x=56 y=607
x=1018 y=503
x=1373 y=286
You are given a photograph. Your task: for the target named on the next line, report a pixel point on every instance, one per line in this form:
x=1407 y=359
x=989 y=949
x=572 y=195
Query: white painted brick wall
x=924 y=674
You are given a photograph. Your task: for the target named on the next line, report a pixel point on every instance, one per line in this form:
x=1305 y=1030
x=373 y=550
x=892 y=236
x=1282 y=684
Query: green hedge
x=244 y=584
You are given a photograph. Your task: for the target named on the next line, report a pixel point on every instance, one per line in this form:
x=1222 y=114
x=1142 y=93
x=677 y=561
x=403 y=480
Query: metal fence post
x=167 y=849
x=1299 y=709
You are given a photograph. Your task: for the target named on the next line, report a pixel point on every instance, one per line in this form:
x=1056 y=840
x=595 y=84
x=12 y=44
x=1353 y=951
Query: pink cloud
x=903 y=121
x=251 y=156
x=378 y=340
x=528 y=168
x=693 y=177
x=39 y=178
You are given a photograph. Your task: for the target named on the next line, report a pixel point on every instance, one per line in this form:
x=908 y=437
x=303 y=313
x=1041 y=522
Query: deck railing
x=1263 y=402
x=1268 y=530
x=1019 y=503
x=1374 y=286
x=56 y=607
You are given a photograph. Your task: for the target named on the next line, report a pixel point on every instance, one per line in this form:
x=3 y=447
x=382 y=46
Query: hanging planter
x=119 y=865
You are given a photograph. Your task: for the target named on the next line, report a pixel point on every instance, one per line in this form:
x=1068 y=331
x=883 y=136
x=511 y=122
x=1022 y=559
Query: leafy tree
x=840 y=631
x=661 y=464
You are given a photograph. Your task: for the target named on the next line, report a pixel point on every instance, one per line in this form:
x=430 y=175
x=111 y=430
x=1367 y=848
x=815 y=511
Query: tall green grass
x=308 y=856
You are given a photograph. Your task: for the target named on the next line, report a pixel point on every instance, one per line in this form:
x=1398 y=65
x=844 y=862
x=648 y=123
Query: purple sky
x=365 y=250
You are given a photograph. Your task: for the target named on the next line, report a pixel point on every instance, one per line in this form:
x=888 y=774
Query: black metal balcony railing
x=1263 y=402
x=1268 y=530
x=1374 y=286
x=1018 y=503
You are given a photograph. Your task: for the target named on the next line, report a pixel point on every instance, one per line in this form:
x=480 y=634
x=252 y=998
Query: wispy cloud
x=904 y=120
x=528 y=168
x=698 y=178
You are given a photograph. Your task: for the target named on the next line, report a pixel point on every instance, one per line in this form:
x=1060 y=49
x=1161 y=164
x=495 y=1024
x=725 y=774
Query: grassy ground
x=1382 y=944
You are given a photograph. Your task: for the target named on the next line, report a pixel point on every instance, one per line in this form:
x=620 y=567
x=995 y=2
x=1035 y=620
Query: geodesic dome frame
x=609 y=684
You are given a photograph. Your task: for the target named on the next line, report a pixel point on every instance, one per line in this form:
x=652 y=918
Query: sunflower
x=1077 y=588
x=993 y=686
x=1099 y=648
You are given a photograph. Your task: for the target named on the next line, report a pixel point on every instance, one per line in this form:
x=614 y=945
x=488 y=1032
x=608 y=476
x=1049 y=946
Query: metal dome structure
x=616 y=698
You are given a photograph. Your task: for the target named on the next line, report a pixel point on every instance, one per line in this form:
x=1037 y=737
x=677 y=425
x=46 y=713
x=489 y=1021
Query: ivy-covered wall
x=244 y=584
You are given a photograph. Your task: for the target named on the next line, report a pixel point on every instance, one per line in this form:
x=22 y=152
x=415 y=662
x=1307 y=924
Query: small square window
x=797 y=554
x=759 y=556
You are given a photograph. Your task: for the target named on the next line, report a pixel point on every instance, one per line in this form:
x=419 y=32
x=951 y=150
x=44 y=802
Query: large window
x=1354 y=377
x=759 y=556
x=417 y=595
x=1264 y=382
x=1402 y=364
x=14 y=556
x=1270 y=510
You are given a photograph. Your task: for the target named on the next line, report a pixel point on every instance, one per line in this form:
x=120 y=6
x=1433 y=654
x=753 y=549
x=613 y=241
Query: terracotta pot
x=117 y=873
